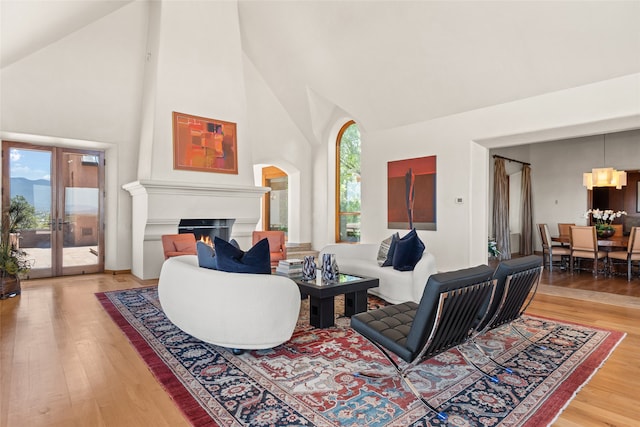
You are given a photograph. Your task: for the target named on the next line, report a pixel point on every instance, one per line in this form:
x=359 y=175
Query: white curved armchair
x=395 y=286
x=233 y=310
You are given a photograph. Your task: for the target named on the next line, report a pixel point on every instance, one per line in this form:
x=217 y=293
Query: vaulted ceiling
x=389 y=63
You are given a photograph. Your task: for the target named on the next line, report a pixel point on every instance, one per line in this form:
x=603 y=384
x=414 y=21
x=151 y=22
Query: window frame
x=338 y=213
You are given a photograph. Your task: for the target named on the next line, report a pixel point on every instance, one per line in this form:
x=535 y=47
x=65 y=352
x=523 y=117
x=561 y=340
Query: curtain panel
x=501 y=209
x=526 y=234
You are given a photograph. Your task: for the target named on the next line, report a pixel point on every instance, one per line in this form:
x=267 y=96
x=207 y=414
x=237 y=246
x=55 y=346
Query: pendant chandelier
x=604 y=177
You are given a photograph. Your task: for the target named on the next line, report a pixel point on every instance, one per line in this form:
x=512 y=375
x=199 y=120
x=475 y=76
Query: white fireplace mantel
x=145 y=186
x=158 y=207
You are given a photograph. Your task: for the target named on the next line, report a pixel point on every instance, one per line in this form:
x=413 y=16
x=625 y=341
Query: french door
x=61 y=191
x=275 y=206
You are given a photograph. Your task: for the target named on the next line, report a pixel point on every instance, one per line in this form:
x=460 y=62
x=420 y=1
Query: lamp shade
x=604 y=177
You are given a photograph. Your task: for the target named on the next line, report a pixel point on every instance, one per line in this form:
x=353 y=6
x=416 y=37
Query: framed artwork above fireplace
x=202 y=144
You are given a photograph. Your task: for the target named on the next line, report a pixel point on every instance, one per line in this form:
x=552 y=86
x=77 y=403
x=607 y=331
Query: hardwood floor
x=63 y=362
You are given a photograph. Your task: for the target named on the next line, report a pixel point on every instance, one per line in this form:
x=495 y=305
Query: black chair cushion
x=404 y=328
x=388 y=326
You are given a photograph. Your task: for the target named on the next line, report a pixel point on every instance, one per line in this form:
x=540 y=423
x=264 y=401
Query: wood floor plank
x=64 y=362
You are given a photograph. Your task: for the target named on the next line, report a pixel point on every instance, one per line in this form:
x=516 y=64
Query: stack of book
x=290 y=268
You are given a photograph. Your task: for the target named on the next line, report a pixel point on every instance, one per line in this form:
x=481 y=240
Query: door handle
x=60 y=223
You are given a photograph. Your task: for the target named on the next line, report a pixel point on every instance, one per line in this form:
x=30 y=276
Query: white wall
x=557 y=168
x=195 y=67
x=199 y=71
x=84 y=91
x=277 y=141
x=88 y=88
x=559 y=195
x=460 y=165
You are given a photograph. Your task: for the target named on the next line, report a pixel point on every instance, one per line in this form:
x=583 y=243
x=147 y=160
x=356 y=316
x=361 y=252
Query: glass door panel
x=30 y=183
x=63 y=190
x=278 y=204
x=275 y=208
x=80 y=220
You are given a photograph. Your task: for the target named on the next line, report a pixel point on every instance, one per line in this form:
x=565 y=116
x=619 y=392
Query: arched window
x=348 y=183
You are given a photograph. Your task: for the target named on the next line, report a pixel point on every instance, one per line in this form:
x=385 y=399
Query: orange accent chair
x=277 y=244
x=178 y=244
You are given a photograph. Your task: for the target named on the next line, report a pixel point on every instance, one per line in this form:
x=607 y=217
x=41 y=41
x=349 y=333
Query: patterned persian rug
x=310 y=381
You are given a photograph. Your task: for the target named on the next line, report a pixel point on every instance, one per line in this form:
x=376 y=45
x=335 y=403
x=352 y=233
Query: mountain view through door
x=60 y=191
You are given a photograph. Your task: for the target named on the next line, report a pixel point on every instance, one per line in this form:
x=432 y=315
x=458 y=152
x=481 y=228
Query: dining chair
x=549 y=250
x=564 y=228
x=584 y=245
x=630 y=255
x=618 y=229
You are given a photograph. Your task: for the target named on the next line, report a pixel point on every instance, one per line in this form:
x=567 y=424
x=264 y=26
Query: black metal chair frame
x=457 y=314
x=515 y=291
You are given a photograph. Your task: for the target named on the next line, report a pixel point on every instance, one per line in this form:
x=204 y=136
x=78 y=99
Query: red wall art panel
x=411 y=193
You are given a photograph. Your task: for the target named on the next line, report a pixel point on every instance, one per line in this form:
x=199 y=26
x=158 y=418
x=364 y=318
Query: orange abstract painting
x=202 y=144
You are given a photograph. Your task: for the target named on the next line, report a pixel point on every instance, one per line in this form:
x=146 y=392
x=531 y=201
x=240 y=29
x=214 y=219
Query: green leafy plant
x=20 y=215
x=493 y=248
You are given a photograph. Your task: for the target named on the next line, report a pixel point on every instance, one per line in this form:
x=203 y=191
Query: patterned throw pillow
x=388 y=261
x=383 y=250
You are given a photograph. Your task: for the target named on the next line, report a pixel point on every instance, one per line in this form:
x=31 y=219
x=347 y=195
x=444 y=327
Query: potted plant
x=13 y=260
x=603 y=219
x=493 y=248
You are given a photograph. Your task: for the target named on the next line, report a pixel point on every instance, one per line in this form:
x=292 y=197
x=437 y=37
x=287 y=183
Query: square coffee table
x=321 y=296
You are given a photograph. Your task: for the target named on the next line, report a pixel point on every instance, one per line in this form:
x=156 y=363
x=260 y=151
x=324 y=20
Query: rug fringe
x=183 y=398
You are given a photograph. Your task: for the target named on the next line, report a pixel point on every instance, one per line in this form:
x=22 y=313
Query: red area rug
x=309 y=380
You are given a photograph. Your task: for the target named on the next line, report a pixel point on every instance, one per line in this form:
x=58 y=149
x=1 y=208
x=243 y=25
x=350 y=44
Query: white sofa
x=395 y=286
x=233 y=310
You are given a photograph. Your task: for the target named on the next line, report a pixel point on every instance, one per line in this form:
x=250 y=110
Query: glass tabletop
x=342 y=278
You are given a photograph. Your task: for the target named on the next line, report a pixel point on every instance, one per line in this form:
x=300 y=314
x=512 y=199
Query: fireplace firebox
x=207 y=229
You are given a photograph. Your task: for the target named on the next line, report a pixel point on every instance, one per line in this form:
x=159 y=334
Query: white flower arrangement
x=604 y=217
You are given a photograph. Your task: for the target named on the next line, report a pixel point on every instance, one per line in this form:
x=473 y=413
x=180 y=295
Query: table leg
x=321 y=312
x=355 y=302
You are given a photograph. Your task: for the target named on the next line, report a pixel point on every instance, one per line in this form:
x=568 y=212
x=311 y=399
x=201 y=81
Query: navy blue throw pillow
x=233 y=260
x=408 y=251
x=206 y=255
x=392 y=249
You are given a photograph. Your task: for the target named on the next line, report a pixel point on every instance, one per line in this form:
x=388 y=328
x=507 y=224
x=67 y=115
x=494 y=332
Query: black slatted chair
x=516 y=285
x=447 y=316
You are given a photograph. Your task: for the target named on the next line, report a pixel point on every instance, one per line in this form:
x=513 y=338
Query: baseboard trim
x=114 y=272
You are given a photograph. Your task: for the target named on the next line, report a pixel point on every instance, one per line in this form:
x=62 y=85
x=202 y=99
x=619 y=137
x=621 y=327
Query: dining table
x=610 y=242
